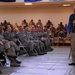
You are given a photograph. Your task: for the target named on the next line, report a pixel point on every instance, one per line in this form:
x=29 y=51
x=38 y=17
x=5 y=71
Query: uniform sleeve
x=69 y=26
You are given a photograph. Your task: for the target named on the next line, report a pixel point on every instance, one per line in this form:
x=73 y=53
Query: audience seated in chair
x=61 y=37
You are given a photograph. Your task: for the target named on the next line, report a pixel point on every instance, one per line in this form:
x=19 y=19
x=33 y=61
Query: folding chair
x=24 y=48
x=2 y=60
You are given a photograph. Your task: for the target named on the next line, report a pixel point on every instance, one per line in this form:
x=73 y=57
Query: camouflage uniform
x=26 y=42
x=39 y=44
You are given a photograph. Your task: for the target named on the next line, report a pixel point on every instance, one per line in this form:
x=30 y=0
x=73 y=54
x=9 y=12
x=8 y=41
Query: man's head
x=26 y=28
x=51 y=26
x=48 y=30
x=9 y=29
x=21 y=28
x=39 y=20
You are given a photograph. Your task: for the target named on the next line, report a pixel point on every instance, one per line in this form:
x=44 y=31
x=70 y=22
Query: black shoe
x=51 y=49
x=45 y=52
x=40 y=53
x=14 y=65
x=21 y=52
x=32 y=53
x=18 y=62
x=72 y=64
x=0 y=72
x=11 y=56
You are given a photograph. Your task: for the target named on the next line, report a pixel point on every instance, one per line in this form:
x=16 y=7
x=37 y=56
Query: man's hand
x=1 y=43
x=59 y=37
x=68 y=35
x=73 y=21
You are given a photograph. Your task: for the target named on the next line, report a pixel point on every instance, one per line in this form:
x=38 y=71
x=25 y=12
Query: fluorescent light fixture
x=66 y=5
x=28 y=3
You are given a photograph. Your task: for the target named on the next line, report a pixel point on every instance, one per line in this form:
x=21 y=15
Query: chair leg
x=35 y=51
x=1 y=63
x=24 y=50
x=2 y=58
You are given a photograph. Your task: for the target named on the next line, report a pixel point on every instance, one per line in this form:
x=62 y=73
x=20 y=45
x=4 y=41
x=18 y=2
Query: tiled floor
x=53 y=63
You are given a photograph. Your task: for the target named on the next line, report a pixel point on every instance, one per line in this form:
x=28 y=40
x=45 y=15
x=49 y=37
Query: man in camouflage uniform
x=11 y=36
x=26 y=42
x=10 y=48
x=39 y=44
x=45 y=38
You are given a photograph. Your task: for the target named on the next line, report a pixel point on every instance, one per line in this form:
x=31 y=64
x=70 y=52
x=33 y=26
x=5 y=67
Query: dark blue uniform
x=71 y=30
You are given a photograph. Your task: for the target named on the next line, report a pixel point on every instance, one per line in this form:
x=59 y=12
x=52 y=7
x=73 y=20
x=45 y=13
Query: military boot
x=18 y=62
x=0 y=72
x=39 y=52
x=32 y=53
x=13 y=62
x=21 y=52
x=50 y=49
x=43 y=51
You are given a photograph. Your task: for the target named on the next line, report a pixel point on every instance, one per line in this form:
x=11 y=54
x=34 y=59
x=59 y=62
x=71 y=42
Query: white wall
x=55 y=14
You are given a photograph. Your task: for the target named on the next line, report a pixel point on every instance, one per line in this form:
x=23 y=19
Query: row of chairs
x=67 y=41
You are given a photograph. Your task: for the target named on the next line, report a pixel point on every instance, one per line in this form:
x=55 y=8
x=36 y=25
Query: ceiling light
x=66 y=5
x=28 y=3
